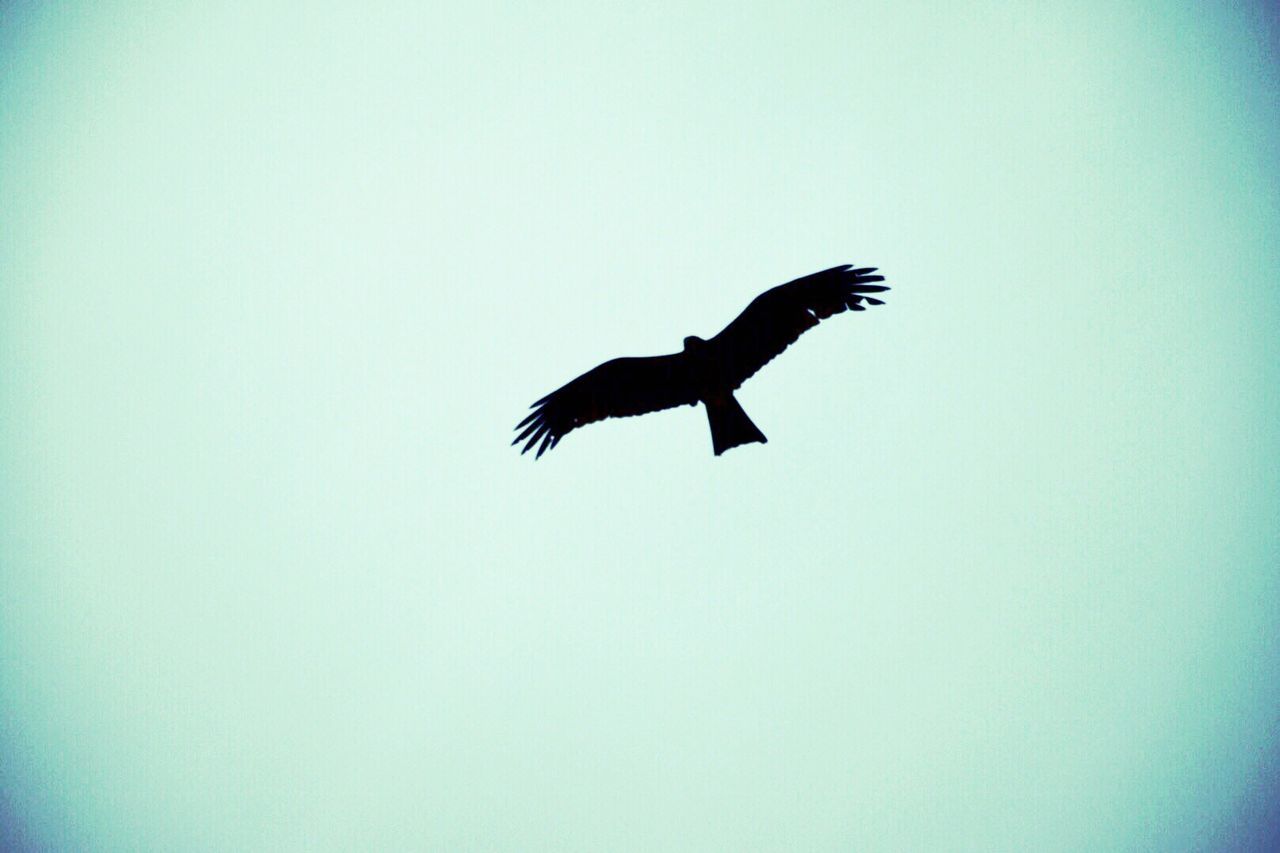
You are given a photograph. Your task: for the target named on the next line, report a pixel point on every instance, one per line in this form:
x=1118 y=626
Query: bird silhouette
x=706 y=371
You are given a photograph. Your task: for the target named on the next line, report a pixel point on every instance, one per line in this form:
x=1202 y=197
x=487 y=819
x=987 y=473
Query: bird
x=706 y=371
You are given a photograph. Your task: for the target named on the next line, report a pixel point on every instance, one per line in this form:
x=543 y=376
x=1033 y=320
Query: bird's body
x=706 y=371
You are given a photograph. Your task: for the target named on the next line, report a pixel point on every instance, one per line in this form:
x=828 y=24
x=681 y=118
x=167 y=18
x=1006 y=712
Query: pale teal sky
x=279 y=278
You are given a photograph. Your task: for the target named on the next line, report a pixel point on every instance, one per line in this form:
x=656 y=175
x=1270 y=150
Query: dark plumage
x=706 y=371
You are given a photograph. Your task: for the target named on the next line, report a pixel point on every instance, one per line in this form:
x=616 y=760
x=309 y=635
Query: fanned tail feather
x=730 y=425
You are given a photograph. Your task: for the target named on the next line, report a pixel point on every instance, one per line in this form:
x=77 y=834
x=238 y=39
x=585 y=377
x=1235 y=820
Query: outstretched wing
x=616 y=389
x=776 y=318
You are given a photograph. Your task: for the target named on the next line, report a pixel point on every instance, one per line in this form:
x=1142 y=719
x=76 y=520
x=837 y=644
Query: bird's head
x=693 y=342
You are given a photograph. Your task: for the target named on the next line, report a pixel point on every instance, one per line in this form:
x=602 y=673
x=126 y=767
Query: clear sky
x=277 y=279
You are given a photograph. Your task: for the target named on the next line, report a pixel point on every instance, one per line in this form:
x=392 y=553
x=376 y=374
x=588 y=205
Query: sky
x=277 y=279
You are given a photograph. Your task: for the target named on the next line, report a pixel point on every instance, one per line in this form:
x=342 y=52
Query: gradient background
x=279 y=278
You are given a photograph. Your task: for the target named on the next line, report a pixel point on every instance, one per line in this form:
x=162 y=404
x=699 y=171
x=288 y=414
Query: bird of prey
x=706 y=372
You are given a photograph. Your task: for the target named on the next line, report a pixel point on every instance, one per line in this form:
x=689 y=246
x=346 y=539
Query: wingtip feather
x=533 y=439
x=530 y=428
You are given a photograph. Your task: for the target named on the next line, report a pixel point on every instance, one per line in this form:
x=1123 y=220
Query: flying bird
x=706 y=372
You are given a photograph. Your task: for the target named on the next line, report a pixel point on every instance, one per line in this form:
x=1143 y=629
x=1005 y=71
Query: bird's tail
x=730 y=425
